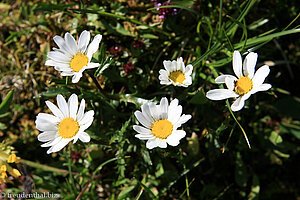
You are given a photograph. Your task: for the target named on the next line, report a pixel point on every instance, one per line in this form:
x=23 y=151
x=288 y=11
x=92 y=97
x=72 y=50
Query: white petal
x=180 y=64
x=54 y=110
x=45 y=126
x=59 y=57
x=174 y=65
x=249 y=64
x=84 y=137
x=67 y=73
x=151 y=144
x=64 y=69
x=229 y=83
x=163 y=78
x=146 y=112
x=238 y=104
x=187 y=81
x=71 y=43
x=164 y=108
x=237 y=63
x=57 y=64
x=262 y=87
x=59 y=146
x=62 y=105
x=47 y=136
x=168 y=65
x=155 y=112
x=163 y=82
x=47 y=118
x=183 y=119
x=144 y=137
x=62 y=45
x=141 y=130
x=73 y=105
x=220 y=94
x=81 y=110
x=92 y=65
x=76 y=77
x=163 y=72
x=87 y=118
x=161 y=143
x=75 y=138
x=141 y=118
x=188 y=70
x=93 y=47
x=221 y=79
x=174 y=114
x=53 y=142
x=260 y=75
x=84 y=40
x=175 y=137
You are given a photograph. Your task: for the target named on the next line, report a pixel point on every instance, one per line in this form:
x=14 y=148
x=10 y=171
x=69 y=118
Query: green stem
x=71 y=179
x=244 y=133
x=43 y=167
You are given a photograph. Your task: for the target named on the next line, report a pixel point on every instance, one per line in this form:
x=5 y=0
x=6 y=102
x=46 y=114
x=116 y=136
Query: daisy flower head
x=67 y=123
x=72 y=58
x=176 y=73
x=244 y=84
x=160 y=123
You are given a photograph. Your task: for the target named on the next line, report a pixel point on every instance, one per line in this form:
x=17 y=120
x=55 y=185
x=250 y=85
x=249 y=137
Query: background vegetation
x=213 y=161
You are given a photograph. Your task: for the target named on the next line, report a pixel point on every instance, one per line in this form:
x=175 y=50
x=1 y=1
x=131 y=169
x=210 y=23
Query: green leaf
x=149 y=36
x=4 y=106
x=291 y=128
x=2 y=126
x=54 y=91
x=257 y=40
x=275 y=138
x=125 y=192
x=199 y=98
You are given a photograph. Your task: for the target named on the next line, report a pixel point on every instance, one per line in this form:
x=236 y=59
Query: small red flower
x=138 y=44
x=128 y=67
x=115 y=51
x=75 y=156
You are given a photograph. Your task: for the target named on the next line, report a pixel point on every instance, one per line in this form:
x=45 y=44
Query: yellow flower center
x=68 y=128
x=162 y=128
x=177 y=77
x=243 y=85
x=78 y=62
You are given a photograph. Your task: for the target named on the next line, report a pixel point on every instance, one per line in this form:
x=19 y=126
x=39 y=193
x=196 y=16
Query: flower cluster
x=164 y=12
x=5 y=168
x=160 y=123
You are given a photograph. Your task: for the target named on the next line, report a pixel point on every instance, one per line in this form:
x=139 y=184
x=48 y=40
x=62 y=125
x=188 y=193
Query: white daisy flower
x=176 y=73
x=68 y=123
x=160 y=123
x=245 y=84
x=72 y=57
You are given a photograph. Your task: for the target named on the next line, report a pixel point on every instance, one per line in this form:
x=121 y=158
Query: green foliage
x=214 y=160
